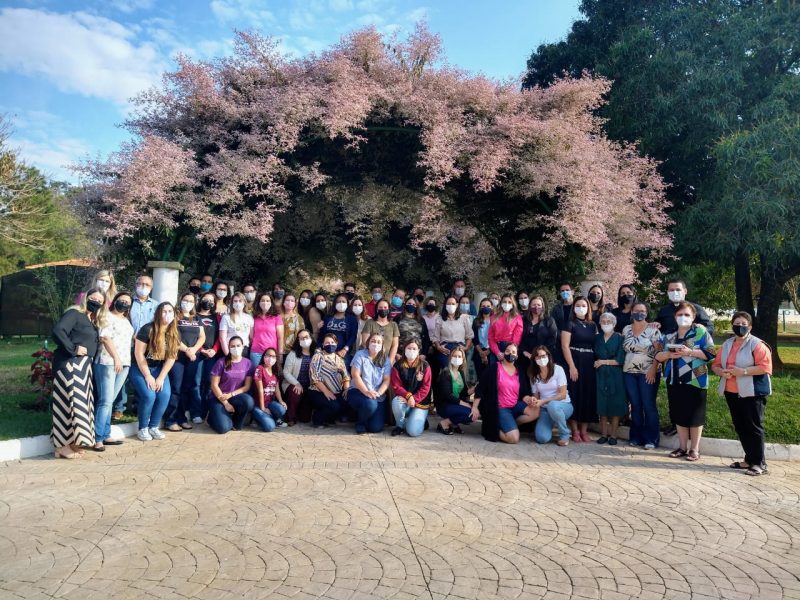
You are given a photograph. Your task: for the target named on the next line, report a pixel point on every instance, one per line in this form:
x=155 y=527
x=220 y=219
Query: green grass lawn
x=782 y=418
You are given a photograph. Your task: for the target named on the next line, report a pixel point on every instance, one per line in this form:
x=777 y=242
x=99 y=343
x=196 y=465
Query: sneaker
x=612 y=441
x=396 y=431
x=156 y=433
x=144 y=435
x=649 y=446
x=602 y=439
x=633 y=444
x=281 y=423
x=197 y=420
x=116 y=415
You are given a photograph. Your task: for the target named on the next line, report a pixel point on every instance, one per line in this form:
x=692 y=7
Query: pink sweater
x=501 y=330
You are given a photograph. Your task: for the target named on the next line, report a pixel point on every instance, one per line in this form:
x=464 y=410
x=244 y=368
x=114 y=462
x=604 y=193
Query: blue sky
x=68 y=68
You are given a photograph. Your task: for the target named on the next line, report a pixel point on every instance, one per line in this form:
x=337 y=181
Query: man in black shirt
x=676 y=292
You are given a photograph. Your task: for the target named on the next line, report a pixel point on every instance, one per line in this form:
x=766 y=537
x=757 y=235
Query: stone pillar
x=165 y=280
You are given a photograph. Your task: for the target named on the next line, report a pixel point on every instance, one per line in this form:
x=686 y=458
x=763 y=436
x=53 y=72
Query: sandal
x=70 y=456
x=678 y=453
x=692 y=455
x=186 y=426
x=755 y=471
x=563 y=442
x=739 y=464
x=440 y=429
x=174 y=427
x=457 y=429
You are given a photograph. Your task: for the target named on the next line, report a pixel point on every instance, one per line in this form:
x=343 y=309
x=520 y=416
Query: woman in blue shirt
x=370 y=375
x=344 y=325
x=480 y=329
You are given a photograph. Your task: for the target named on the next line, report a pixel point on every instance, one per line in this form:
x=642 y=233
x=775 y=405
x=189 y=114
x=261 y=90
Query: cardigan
x=486 y=396
x=444 y=391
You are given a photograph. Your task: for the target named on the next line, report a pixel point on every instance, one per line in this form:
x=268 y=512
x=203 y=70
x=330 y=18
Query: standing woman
x=411 y=384
x=641 y=377
x=370 y=377
x=686 y=354
x=744 y=365
x=540 y=330
x=182 y=375
x=305 y=300
x=206 y=357
x=506 y=328
x=608 y=359
x=103 y=281
x=317 y=313
x=344 y=325
x=412 y=327
x=597 y=302
x=221 y=294
x=155 y=351
x=626 y=296
x=267 y=330
x=358 y=308
x=236 y=323
x=387 y=329
x=329 y=380
x=112 y=366
x=297 y=379
x=73 y=396
x=453 y=395
x=577 y=348
x=292 y=322
x=480 y=337
x=231 y=380
x=452 y=330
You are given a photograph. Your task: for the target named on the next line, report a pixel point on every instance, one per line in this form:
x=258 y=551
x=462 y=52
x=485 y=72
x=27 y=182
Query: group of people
x=273 y=358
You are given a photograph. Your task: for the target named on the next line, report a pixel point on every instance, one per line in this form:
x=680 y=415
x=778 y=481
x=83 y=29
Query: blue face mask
x=411 y=309
x=205 y=286
x=486 y=310
x=638 y=316
x=565 y=295
x=397 y=302
x=329 y=348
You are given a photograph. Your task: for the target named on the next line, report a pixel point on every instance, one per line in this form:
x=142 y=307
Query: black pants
x=748 y=420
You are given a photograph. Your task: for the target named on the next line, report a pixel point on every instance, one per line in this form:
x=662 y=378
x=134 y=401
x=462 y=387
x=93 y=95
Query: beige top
x=452 y=330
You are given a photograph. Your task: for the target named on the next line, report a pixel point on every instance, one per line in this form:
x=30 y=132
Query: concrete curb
x=40 y=444
x=720 y=447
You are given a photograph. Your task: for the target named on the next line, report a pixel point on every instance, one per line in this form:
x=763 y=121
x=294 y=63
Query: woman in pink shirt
x=267 y=329
x=506 y=328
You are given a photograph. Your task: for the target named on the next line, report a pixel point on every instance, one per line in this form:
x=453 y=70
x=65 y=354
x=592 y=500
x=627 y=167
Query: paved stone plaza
x=304 y=514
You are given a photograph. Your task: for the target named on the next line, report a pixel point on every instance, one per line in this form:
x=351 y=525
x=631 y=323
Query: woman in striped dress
x=73 y=393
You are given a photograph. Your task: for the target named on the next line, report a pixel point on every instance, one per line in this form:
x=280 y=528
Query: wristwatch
x=745 y=371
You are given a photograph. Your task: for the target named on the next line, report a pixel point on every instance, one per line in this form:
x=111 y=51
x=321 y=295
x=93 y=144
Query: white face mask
x=465 y=308
x=249 y=296
x=142 y=291
x=606 y=327
x=236 y=351
x=305 y=302
x=375 y=347
x=222 y=294
x=305 y=343
x=265 y=306
x=269 y=361
x=168 y=318
x=456 y=361
x=341 y=306
x=507 y=306
x=494 y=302
x=581 y=311
x=412 y=354
x=684 y=321
x=102 y=285
x=187 y=306
x=676 y=296
x=357 y=310
x=523 y=303
x=542 y=361
x=321 y=305
x=451 y=309
x=459 y=291
x=238 y=306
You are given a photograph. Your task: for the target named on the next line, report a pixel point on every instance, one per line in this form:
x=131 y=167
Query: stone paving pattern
x=302 y=514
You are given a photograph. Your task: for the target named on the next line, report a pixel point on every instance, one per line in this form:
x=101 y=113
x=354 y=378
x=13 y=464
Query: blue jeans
x=507 y=417
x=267 y=420
x=221 y=421
x=152 y=404
x=369 y=413
x=108 y=384
x=121 y=399
x=456 y=413
x=255 y=358
x=555 y=413
x=198 y=405
x=644 y=410
x=412 y=420
x=325 y=411
x=182 y=377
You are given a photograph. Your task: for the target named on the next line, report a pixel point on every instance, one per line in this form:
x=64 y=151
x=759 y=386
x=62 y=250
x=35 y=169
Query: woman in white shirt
x=236 y=323
x=548 y=392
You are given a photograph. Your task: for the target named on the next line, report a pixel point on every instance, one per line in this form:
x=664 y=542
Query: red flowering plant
x=42 y=378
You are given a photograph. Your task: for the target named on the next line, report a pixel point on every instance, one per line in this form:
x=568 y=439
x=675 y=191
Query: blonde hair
x=463 y=368
x=164 y=341
x=112 y=288
x=101 y=316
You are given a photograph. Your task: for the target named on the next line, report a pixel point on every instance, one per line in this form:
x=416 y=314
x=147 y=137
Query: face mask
x=236 y=351
x=167 y=318
x=465 y=308
x=397 y=302
x=741 y=330
x=638 y=316
x=102 y=285
x=238 y=306
x=494 y=302
x=93 y=305
x=486 y=310
x=375 y=348
x=411 y=309
x=412 y=354
x=510 y=357
x=341 y=306
x=507 y=306
x=459 y=291
x=581 y=311
x=329 y=348
x=542 y=361
x=451 y=309
x=187 y=306
x=523 y=303
x=431 y=307
x=594 y=297
x=265 y=306
x=121 y=306
x=382 y=313
x=269 y=361
x=304 y=302
x=419 y=297
x=376 y=296
x=321 y=305
x=288 y=304
x=456 y=361
x=676 y=296
x=349 y=295
x=278 y=294
x=249 y=296
x=537 y=310
x=142 y=291
x=626 y=299
x=206 y=304
x=305 y=343
x=565 y=295
x=195 y=289
x=205 y=286
x=222 y=294
x=683 y=321
x=607 y=328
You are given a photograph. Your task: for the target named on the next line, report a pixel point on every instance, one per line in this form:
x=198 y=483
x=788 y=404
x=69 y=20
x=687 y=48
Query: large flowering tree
x=388 y=144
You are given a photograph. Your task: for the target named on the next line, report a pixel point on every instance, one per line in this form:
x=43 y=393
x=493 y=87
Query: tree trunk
x=743 y=283
x=769 y=302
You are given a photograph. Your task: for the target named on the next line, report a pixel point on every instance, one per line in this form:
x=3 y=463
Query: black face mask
x=419 y=297
x=121 y=306
x=411 y=309
x=195 y=289
x=741 y=330
x=382 y=313
x=349 y=295
x=510 y=357
x=594 y=297
x=93 y=305
x=626 y=299
x=206 y=305
x=278 y=294
x=431 y=307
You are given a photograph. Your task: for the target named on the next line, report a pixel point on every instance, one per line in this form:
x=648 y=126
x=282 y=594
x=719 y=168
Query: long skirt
x=73 y=404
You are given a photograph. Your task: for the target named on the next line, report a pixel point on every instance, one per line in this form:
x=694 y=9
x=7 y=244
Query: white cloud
x=129 y=6
x=341 y=5
x=78 y=53
x=251 y=12
x=418 y=14
x=52 y=157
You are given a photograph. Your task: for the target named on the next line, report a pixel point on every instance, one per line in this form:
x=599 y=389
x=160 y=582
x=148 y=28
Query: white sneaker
x=144 y=435
x=156 y=433
x=649 y=446
x=197 y=420
x=281 y=423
